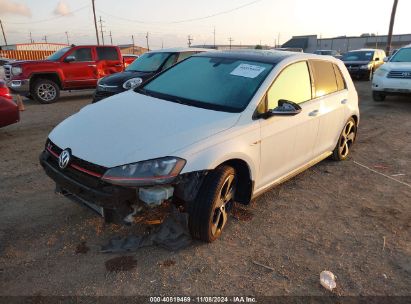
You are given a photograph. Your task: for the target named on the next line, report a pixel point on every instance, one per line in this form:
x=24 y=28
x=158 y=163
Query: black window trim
x=107 y=47
x=73 y=51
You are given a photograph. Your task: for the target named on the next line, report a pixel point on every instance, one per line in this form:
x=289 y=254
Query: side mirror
x=386 y=59
x=285 y=108
x=70 y=59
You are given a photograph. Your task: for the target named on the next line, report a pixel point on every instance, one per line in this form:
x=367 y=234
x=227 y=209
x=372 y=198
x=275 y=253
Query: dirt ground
x=335 y=216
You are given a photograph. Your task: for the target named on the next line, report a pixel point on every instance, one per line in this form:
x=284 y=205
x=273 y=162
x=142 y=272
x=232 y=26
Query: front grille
x=353 y=67
x=400 y=74
x=76 y=162
x=7 y=72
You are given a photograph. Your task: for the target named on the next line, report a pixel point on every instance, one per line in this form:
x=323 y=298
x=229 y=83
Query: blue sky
x=261 y=21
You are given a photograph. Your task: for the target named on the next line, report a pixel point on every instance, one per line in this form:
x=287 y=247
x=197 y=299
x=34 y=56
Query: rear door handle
x=314 y=113
x=92 y=65
x=118 y=65
x=344 y=101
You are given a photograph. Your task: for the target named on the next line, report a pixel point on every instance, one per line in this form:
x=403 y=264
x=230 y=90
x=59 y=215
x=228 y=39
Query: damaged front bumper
x=114 y=203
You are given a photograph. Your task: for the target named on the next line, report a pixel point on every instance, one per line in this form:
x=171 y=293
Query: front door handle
x=92 y=65
x=314 y=113
x=344 y=101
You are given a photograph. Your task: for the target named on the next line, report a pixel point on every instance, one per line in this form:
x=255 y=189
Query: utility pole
x=231 y=41
x=189 y=40
x=148 y=46
x=278 y=40
x=31 y=38
x=68 y=42
x=101 y=30
x=162 y=43
x=132 y=38
x=391 y=29
x=111 y=38
x=214 y=37
x=95 y=22
x=4 y=35
x=45 y=38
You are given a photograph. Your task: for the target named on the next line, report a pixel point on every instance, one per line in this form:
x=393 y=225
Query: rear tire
x=45 y=91
x=378 y=96
x=208 y=214
x=345 y=141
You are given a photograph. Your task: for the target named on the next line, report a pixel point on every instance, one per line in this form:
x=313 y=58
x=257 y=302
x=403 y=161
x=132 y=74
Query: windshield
x=148 y=62
x=403 y=55
x=57 y=55
x=212 y=83
x=358 y=56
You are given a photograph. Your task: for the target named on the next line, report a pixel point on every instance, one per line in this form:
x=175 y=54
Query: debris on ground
x=82 y=248
x=327 y=280
x=168 y=263
x=241 y=214
x=264 y=266
x=172 y=235
x=153 y=216
x=123 y=263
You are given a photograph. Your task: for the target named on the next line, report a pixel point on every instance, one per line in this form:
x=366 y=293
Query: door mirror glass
x=70 y=59
x=386 y=59
x=285 y=108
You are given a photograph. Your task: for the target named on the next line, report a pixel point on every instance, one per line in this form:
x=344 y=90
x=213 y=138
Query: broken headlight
x=149 y=172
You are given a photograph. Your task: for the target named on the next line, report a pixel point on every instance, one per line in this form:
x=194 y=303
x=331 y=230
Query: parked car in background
x=394 y=77
x=363 y=63
x=128 y=59
x=9 y=112
x=296 y=50
x=215 y=128
x=333 y=53
x=145 y=67
x=71 y=68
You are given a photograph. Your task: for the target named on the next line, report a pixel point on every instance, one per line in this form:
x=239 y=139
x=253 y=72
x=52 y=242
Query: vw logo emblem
x=64 y=158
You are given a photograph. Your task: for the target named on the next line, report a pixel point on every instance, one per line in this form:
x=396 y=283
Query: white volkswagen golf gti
x=216 y=128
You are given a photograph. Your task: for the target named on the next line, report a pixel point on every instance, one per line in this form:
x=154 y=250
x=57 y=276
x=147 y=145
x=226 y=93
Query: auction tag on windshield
x=247 y=70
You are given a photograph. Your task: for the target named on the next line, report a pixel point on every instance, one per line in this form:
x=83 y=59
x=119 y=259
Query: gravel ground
x=335 y=216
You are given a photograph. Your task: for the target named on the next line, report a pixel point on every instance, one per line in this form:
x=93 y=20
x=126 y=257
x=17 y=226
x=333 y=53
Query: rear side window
x=293 y=84
x=340 y=79
x=107 y=53
x=83 y=54
x=324 y=78
x=185 y=55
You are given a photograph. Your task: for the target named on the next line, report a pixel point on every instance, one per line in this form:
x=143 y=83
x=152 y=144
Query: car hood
x=356 y=62
x=118 y=79
x=130 y=127
x=397 y=66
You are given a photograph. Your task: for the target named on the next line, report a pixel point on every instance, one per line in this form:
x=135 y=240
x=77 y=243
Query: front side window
x=358 y=56
x=402 y=55
x=170 y=61
x=293 y=84
x=148 y=62
x=57 y=55
x=107 y=53
x=222 y=84
x=83 y=54
x=185 y=55
x=324 y=78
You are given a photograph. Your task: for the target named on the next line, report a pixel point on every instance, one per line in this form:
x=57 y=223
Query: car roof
x=265 y=56
x=180 y=50
x=366 y=50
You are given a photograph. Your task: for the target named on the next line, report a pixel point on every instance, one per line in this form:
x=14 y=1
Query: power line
x=185 y=20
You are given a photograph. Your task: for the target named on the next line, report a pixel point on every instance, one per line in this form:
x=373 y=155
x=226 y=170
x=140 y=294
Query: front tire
x=346 y=141
x=45 y=91
x=208 y=214
x=378 y=96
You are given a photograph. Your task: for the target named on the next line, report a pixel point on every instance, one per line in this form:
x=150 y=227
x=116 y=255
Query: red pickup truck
x=71 y=68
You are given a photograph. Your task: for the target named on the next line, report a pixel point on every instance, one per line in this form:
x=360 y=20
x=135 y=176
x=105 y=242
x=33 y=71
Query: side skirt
x=291 y=174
